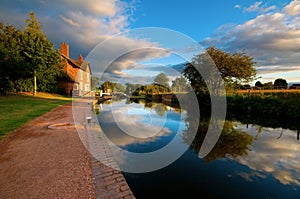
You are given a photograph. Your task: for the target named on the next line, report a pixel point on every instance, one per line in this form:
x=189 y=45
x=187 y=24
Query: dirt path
x=38 y=162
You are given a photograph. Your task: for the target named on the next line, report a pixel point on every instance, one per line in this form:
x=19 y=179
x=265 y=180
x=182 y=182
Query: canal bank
x=46 y=159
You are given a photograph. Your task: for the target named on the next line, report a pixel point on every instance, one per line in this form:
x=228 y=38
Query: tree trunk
x=34 y=82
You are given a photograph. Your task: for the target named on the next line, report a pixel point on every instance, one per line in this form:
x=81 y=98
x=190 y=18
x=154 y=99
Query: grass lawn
x=17 y=110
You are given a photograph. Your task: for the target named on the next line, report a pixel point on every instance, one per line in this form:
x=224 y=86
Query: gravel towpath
x=41 y=162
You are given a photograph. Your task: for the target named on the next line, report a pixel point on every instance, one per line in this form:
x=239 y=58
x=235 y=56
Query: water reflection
x=127 y=124
x=262 y=161
x=232 y=142
x=274 y=152
x=266 y=151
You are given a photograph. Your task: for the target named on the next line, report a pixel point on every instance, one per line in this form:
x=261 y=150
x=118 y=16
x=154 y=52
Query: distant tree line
x=278 y=84
x=28 y=60
x=160 y=85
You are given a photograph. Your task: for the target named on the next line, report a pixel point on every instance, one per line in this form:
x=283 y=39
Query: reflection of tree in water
x=232 y=142
x=160 y=109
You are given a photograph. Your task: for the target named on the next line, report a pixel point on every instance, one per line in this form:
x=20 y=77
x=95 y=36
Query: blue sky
x=268 y=30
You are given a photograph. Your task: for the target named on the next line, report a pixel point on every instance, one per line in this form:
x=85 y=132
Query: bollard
x=88 y=119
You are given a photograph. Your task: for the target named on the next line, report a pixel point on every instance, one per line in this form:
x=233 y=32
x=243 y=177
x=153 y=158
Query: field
x=17 y=110
x=270 y=91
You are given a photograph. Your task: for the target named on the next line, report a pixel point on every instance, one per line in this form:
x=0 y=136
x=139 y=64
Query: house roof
x=83 y=65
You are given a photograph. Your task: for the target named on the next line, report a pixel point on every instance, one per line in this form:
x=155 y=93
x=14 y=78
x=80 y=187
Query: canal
x=248 y=161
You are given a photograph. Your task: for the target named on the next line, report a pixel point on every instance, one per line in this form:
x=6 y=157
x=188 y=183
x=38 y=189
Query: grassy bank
x=17 y=110
x=268 y=109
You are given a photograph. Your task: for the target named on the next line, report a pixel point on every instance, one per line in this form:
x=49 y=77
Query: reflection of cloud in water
x=250 y=176
x=124 y=126
x=278 y=157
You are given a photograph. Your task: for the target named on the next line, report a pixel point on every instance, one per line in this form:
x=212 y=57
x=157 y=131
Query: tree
x=179 y=84
x=12 y=62
x=94 y=82
x=44 y=61
x=258 y=84
x=26 y=56
x=235 y=69
x=108 y=85
x=162 y=80
x=268 y=85
x=280 y=83
x=119 y=88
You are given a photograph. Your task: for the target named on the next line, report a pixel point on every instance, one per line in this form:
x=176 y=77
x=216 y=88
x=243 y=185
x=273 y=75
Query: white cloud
x=237 y=6
x=258 y=7
x=121 y=53
x=273 y=39
x=69 y=21
x=293 y=8
x=106 y=8
x=253 y=7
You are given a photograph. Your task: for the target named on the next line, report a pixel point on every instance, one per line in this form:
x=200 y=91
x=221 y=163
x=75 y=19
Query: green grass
x=17 y=110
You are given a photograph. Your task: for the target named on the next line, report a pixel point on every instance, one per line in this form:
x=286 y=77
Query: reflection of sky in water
x=138 y=129
x=271 y=169
x=274 y=152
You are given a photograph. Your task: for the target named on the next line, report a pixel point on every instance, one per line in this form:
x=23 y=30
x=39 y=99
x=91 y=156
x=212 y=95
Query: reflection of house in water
x=77 y=78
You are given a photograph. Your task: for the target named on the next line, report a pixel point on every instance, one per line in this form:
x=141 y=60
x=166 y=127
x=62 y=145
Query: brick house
x=77 y=77
x=295 y=86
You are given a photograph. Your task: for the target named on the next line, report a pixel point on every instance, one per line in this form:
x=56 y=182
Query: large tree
x=25 y=56
x=235 y=68
x=12 y=63
x=43 y=59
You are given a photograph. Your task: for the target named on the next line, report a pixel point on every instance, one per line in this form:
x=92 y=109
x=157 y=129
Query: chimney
x=80 y=58
x=64 y=49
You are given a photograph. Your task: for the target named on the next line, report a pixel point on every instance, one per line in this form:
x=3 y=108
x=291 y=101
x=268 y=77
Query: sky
x=269 y=31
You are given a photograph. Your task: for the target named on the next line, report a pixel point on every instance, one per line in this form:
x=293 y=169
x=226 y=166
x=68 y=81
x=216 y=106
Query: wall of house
x=84 y=79
x=80 y=81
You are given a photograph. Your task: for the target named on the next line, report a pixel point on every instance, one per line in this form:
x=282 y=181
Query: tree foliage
x=119 y=88
x=108 y=85
x=235 y=68
x=22 y=53
x=282 y=83
x=162 y=80
x=179 y=84
x=258 y=84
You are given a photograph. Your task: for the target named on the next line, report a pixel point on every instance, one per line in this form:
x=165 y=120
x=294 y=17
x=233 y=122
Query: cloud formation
x=272 y=38
x=258 y=7
x=97 y=7
x=293 y=8
x=85 y=24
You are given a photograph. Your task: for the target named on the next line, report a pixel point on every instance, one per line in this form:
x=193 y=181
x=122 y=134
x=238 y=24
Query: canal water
x=248 y=161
